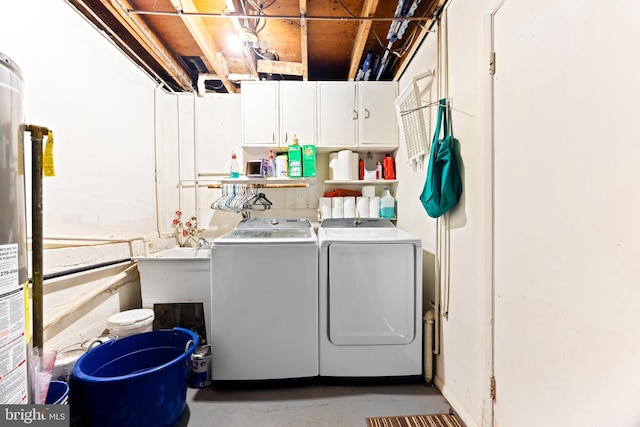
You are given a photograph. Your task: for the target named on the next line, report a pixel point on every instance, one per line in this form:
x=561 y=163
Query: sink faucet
x=202 y=243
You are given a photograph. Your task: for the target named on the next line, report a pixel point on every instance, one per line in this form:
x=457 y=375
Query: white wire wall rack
x=414 y=121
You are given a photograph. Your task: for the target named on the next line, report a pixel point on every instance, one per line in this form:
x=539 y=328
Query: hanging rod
x=429 y=105
x=258 y=185
x=291 y=17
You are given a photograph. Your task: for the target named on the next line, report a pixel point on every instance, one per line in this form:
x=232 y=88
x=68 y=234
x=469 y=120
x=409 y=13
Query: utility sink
x=177 y=275
x=178 y=253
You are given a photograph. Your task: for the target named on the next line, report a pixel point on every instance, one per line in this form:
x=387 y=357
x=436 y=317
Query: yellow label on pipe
x=47 y=159
x=27 y=312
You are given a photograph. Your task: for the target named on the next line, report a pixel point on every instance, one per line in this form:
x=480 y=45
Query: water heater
x=14 y=333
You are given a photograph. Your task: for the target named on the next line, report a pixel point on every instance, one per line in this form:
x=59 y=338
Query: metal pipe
x=85 y=268
x=102 y=239
x=290 y=17
x=37 y=133
x=88 y=297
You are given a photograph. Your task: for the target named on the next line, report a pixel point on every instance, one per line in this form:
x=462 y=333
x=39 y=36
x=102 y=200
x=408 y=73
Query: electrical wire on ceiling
x=345 y=8
x=258 y=9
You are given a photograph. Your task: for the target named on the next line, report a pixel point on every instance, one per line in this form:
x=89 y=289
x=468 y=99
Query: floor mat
x=434 y=420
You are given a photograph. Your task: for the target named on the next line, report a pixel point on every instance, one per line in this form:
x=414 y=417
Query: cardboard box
x=295 y=161
x=308 y=161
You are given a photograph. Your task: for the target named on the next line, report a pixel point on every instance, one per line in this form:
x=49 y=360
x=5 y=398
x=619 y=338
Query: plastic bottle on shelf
x=295 y=158
x=378 y=170
x=387 y=204
x=389 y=170
x=271 y=169
x=234 y=168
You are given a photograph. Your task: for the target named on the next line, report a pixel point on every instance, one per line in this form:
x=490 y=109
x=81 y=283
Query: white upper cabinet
x=337 y=114
x=331 y=115
x=260 y=113
x=377 y=124
x=357 y=115
x=297 y=112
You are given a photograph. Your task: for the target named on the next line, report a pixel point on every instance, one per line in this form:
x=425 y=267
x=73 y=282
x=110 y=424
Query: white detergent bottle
x=387 y=204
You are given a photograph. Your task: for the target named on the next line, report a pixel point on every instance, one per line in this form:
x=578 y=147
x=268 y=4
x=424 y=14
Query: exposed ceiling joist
x=304 y=47
x=362 y=34
x=280 y=67
x=204 y=39
x=237 y=27
x=180 y=42
x=144 y=35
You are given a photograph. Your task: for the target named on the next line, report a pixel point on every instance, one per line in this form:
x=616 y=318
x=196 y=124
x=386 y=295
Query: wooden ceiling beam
x=281 y=67
x=249 y=55
x=304 y=46
x=144 y=35
x=203 y=37
x=362 y=35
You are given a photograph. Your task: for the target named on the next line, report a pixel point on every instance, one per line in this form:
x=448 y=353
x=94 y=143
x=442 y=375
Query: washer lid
x=249 y=233
x=269 y=223
x=356 y=223
x=131 y=317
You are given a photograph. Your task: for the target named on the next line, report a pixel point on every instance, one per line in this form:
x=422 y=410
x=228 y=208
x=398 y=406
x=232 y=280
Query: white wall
x=100 y=107
x=461 y=371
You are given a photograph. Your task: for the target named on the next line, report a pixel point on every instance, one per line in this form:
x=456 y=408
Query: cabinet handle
x=273 y=136
x=354 y=115
x=366 y=113
x=286 y=137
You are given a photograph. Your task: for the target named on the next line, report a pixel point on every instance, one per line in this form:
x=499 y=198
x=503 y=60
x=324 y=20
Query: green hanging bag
x=443 y=186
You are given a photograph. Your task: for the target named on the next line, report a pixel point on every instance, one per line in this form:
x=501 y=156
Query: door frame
x=489 y=209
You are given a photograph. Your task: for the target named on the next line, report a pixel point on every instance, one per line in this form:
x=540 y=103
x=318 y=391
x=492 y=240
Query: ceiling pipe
x=301 y=17
x=202 y=77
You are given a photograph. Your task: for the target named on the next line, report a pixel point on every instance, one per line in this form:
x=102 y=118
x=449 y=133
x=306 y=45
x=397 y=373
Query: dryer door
x=372 y=289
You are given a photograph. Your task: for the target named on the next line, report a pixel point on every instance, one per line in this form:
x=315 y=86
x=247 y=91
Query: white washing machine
x=264 y=301
x=370 y=295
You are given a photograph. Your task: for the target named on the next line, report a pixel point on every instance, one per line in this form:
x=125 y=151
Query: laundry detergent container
x=139 y=380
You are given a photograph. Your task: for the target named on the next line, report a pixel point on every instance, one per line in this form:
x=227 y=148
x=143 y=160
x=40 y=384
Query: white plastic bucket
x=67 y=357
x=131 y=322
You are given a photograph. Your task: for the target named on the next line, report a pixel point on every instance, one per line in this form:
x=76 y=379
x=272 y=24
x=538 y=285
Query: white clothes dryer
x=264 y=299
x=370 y=311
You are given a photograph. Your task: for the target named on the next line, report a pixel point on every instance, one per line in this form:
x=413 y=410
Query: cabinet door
x=297 y=112
x=377 y=124
x=337 y=114
x=260 y=113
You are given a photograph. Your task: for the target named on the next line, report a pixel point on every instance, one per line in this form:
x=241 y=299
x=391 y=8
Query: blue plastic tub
x=58 y=393
x=140 y=380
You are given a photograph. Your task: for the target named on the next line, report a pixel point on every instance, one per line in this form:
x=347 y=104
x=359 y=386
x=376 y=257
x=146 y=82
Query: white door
x=566 y=210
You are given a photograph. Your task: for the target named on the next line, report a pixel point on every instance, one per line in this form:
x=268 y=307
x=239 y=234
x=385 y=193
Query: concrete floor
x=308 y=405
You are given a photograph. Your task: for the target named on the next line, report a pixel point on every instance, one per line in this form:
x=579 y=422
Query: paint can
x=200 y=375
